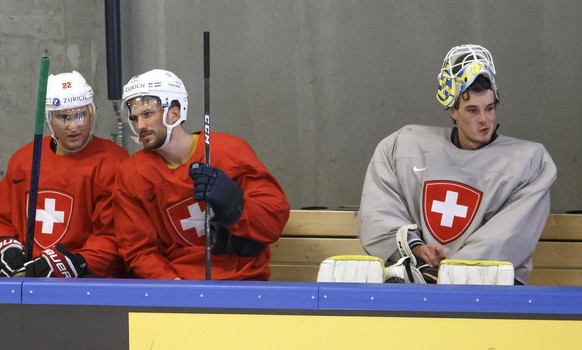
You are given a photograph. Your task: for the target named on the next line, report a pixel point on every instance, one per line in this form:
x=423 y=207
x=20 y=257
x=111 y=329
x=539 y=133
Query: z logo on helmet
x=449 y=208
x=53 y=216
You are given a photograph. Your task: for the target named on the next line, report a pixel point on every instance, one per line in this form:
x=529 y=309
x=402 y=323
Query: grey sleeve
x=513 y=232
x=382 y=208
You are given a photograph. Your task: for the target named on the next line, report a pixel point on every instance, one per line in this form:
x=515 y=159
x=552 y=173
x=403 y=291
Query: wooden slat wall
x=301 y=250
x=321 y=223
x=312 y=236
x=563 y=254
x=563 y=227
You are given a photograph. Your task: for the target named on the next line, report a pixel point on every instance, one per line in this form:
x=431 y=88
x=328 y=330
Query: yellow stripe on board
x=230 y=331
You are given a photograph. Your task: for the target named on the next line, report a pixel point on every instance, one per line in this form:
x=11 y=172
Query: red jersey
x=160 y=228
x=73 y=203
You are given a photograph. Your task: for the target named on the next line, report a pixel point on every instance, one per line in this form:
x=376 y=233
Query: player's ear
x=453 y=112
x=173 y=114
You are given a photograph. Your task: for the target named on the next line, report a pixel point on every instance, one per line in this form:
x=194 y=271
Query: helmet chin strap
x=169 y=129
x=71 y=151
x=168 y=137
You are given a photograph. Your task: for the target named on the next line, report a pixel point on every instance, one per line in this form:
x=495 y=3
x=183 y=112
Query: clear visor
x=79 y=116
x=144 y=107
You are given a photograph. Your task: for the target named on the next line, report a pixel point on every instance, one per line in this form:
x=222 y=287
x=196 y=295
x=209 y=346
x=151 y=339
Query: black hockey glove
x=223 y=194
x=429 y=272
x=12 y=257
x=56 y=261
x=225 y=242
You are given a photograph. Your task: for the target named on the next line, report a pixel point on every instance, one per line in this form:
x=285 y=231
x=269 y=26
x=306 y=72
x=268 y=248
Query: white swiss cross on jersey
x=53 y=216
x=449 y=208
x=187 y=218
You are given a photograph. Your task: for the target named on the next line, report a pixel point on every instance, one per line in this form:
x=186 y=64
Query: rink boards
x=143 y=314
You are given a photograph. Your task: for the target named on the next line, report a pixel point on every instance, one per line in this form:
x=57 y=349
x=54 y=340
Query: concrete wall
x=313 y=85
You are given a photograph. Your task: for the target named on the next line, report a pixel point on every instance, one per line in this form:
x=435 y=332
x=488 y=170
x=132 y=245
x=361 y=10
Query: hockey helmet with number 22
x=68 y=91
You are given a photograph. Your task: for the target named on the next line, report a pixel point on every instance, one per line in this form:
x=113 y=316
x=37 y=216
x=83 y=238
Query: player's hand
x=223 y=194
x=432 y=253
x=11 y=256
x=56 y=261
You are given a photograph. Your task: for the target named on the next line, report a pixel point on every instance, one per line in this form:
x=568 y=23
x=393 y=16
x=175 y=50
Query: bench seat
x=311 y=236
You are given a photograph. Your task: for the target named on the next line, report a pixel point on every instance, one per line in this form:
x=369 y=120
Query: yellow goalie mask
x=460 y=68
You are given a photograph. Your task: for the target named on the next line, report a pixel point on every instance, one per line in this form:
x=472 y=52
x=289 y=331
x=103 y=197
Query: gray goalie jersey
x=486 y=204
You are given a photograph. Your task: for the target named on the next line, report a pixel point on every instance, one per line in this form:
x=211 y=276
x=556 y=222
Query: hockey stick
x=37 y=148
x=207 y=141
x=113 y=48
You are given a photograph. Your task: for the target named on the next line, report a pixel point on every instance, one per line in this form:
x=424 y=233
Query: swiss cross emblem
x=449 y=208
x=187 y=218
x=53 y=216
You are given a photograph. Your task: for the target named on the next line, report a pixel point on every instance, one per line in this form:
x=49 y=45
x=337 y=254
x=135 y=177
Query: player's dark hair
x=175 y=103
x=480 y=84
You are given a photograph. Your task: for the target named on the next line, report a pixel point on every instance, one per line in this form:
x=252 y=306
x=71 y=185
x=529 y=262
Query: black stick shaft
x=207 y=142
x=113 y=49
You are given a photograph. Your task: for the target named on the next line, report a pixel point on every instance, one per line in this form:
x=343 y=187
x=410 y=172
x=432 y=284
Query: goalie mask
x=163 y=85
x=460 y=68
x=69 y=99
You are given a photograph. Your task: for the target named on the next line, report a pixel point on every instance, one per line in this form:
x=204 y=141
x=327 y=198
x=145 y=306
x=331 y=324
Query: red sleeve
x=7 y=228
x=13 y=188
x=266 y=209
x=100 y=250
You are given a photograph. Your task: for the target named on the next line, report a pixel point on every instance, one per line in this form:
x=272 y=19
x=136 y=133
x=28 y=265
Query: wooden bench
x=311 y=236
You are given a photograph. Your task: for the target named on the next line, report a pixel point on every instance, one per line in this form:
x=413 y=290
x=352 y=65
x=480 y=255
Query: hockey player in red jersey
x=468 y=192
x=159 y=215
x=74 y=228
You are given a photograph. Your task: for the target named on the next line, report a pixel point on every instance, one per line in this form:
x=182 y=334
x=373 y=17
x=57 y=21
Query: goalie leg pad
x=351 y=268
x=481 y=272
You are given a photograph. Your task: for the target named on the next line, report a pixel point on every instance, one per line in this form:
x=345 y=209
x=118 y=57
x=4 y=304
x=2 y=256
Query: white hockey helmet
x=159 y=83
x=460 y=68
x=68 y=91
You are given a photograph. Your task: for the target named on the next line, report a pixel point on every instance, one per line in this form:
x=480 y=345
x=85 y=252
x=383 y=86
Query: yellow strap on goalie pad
x=355 y=257
x=351 y=268
x=476 y=262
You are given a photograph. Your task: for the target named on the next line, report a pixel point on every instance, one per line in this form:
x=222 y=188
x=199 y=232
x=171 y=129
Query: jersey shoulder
x=520 y=148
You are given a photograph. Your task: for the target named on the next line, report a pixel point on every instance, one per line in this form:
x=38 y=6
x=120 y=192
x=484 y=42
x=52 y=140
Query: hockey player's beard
x=158 y=139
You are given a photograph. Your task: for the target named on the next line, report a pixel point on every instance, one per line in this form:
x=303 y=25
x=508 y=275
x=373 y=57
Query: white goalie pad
x=351 y=268
x=482 y=272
